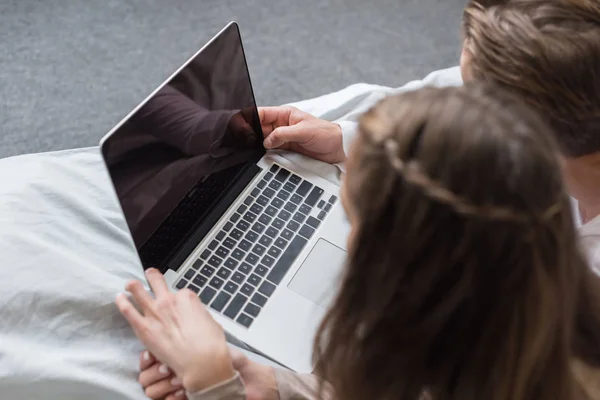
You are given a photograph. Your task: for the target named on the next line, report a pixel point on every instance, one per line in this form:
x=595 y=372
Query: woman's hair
x=464 y=275
x=548 y=53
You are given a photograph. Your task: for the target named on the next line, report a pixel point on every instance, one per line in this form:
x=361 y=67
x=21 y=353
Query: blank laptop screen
x=175 y=159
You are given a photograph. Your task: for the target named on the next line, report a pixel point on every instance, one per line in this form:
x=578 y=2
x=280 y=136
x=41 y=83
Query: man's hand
x=289 y=128
x=159 y=383
x=179 y=332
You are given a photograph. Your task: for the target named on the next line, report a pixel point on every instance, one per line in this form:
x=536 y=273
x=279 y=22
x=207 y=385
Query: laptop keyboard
x=240 y=268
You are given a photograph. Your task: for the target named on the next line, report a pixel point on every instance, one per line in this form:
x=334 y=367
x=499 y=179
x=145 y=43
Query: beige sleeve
x=231 y=389
x=294 y=386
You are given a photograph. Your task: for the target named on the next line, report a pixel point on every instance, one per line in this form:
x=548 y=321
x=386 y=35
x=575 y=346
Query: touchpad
x=318 y=278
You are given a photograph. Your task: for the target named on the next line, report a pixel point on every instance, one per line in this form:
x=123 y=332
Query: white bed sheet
x=65 y=253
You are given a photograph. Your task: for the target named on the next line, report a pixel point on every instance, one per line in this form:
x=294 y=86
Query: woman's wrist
x=209 y=371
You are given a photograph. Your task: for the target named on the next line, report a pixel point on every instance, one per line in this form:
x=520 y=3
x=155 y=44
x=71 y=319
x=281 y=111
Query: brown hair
x=547 y=52
x=463 y=274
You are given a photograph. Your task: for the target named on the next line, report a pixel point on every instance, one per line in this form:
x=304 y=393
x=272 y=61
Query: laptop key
x=245 y=268
x=222 y=252
x=268 y=176
x=216 y=282
x=229 y=243
x=299 y=217
x=332 y=199
x=264 y=240
x=262 y=200
x=283 y=194
x=252 y=310
x=295 y=179
x=220 y=301
x=259 y=299
x=215 y=261
x=321 y=204
x=296 y=199
x=244 y=320
x=224 y=272
x=197 y=264
x=258 y=249
x=327 y=207
x=264 y=219
x=271 y=211
x=282 y=175
x=284 y=215
x=205 y=254
x=322 y=215
x=287 y=234
x=251 y=236
x=190 y=273
x=254 y=279
x=234 y=218
x=242 y=209
x=194 y=288
x=304 y=209
x=227 y=226
x=268 y=192
x=235 y=306
x=256 y=208
x=237 y=278
x=271 y=232
x=207 y=271
x=290 y=187
x=277 y=203
x=221 y=235
x=258 y=227
x=306 y=231
x=304 y=188
x=200 y=280
x=255 y=192
x=274 y=185
x=293 y=225
x=207 y=294
x=261 y=270
x=181 y=284
x=245 y=245
x=248 y=200
x=249 y=217
x=231 y=287
x=243 y=225
x=313 y=222
x=274 y=168
x=267 y=288
x=267 y=260
x=213 y=245
x=314 y=196
x=231 y=263
x=287 y=259
x=236 y=234
x=262 y=184
x=281 y=243
x=290 y=207
x=252 y=258
x=238 y=254
x=277 y=223
x=247 y=289
x=274 y=252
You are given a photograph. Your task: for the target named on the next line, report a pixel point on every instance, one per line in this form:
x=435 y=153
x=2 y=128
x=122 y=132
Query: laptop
x=260 y=239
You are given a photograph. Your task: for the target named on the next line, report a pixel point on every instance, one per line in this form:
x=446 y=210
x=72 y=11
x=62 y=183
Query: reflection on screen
x=174 y=159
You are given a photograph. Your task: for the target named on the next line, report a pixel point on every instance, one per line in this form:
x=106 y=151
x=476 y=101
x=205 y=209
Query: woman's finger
x=157 y=282
x=146 y=360
x=130 y=313
x=140 y=295
x=156 y=373
x=163 y=388
x=178 y=395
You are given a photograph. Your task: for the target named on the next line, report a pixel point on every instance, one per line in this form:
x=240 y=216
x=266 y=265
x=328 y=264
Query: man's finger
x=157 y=282
x=139 y=293
x=130 y=313
x=154 y=374
x=287 y=134
x=273 y=117
x=146 y=360
x=178 y=395
x=163 y=388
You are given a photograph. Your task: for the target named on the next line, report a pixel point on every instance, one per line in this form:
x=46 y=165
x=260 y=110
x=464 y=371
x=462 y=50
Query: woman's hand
x=179 y=332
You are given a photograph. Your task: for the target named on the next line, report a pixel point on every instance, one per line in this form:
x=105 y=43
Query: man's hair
x=548 y=53
x=464 y=278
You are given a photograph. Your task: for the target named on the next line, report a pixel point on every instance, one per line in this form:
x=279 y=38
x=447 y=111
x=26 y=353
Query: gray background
x=71 y=69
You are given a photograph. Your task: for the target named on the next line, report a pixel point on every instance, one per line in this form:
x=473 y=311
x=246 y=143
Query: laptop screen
x=176 y=160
